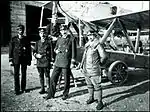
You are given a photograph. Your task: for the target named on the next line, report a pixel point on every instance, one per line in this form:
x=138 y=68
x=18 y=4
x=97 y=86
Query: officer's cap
x=64 y=27
x=91 y=32
x=42 y=29
x=20 y=27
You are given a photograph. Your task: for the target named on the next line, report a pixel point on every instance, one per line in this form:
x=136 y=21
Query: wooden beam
x=41 y=16
x=109 y=30
x=80 y=40
x=137 y=40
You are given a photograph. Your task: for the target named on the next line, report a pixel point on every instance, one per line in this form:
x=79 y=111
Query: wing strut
x=126 y=34
x=108 y=31
x=137 y=39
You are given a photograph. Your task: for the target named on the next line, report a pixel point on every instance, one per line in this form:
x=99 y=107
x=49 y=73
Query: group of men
x=94 y=56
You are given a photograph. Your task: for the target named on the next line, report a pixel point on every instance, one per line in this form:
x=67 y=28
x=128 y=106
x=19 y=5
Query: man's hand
x=72 y=66
x=57 y=51
x=38 y=56
x=11 y=63
x=78 y=67
x=53 y=60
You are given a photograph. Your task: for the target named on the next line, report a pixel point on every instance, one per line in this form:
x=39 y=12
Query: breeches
x=93 y=82
x=44 y=70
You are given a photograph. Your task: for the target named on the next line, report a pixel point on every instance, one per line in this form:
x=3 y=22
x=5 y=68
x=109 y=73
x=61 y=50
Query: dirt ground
x=132 y=96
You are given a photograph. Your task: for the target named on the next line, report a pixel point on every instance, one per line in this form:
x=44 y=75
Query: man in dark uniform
x=20 y=54
x=44 y=54
x=53 y=32
x=65 y=56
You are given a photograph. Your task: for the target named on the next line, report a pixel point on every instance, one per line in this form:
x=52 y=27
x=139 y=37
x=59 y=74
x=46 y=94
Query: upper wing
x=130 y=20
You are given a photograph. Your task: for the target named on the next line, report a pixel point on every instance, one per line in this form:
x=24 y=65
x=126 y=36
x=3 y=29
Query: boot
x=48 y=83
x=48 y=97
x=99 y=97
x=91 y=96
x=50 y=94
x=100 y=105
x=42 y=91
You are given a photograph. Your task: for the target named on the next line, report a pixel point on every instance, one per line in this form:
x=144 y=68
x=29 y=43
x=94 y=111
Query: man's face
x=63 y=32
x=42 y=35
x=20 y=31
x=91 y=37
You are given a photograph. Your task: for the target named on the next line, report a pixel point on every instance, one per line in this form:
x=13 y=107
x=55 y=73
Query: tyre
x=117 y=73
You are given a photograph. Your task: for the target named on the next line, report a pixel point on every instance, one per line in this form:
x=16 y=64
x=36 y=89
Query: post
x=54 y=12
x=142 y=5
x=137 y=40
x=41 y=16
x=108 y=32
x=80 y=40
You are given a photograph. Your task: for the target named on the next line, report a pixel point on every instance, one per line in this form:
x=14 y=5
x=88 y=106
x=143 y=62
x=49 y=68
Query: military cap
x=20 y=27
x=91 y=32
x=64 y=27
x=42 y=29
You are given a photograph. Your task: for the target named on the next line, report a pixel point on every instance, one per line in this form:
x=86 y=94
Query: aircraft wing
x=130 y=20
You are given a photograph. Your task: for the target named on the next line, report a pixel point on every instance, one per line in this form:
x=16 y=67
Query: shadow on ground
x=135 y=77
x=140 y=89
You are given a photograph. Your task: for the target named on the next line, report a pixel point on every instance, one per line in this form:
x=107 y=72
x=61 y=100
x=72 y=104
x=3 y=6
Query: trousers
x=23 y=77
x=42 y=71
x=54 y=79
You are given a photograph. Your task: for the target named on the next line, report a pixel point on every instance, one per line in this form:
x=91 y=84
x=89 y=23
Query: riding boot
x=91 y=96
x=99 y=97
x=42 y=91
x=48 y=83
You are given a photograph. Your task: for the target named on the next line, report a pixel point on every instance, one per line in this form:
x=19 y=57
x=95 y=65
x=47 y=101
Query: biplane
x=121 y=56
x=121 y=59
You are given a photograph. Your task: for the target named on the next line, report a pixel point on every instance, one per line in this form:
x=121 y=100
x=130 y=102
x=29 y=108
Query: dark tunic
x=67 y=48
x=20 y=50
x=45 y=49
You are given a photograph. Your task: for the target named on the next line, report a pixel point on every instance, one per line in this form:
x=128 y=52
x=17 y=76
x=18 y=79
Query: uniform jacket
x=45 y=49
x=20 y=50
x=67 y=48
x=93 y=57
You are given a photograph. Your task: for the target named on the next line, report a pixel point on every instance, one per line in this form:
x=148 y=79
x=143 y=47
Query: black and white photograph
x=75 y=55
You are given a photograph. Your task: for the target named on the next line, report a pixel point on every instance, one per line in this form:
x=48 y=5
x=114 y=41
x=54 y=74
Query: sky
x=131 y=5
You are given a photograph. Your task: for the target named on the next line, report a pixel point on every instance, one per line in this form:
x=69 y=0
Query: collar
x=94 y=43
x=20 y=36
x=66 y=36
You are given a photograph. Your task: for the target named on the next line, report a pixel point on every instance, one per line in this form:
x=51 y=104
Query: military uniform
x=67 y=53
x=45 y=49
x=44 y=63
x=67 y=48
x=93 y=58
x=20 y=54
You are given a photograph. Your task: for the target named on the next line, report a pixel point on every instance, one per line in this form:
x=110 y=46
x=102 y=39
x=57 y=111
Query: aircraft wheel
x=117 y=73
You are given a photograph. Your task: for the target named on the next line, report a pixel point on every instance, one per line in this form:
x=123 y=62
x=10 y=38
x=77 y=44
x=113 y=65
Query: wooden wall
x=18 y=14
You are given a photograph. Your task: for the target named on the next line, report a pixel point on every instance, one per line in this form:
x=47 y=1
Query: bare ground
x=132 y=96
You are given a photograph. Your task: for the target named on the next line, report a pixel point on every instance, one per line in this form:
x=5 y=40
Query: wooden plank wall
x=18 y=14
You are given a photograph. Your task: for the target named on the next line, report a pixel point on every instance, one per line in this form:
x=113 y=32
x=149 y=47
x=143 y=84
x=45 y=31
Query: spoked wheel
x=117 y=72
